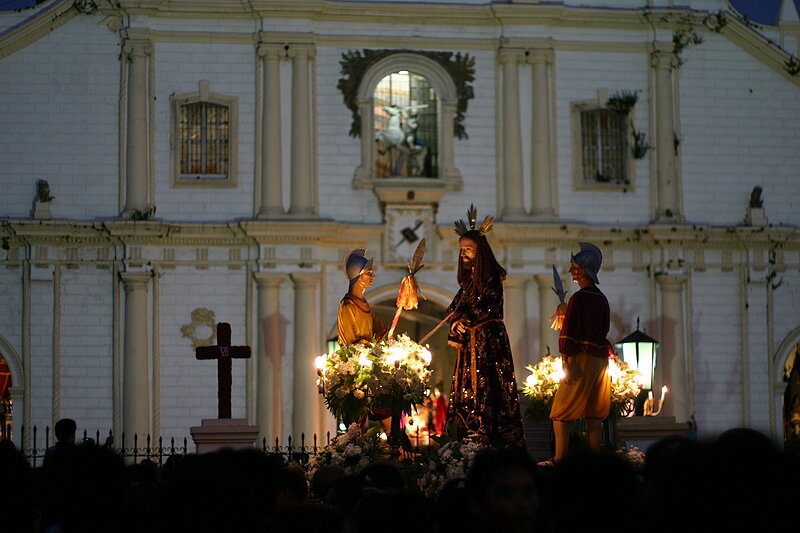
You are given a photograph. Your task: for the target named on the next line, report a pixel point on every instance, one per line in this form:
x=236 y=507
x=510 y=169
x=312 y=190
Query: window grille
x=204 y=140
x=604 y=142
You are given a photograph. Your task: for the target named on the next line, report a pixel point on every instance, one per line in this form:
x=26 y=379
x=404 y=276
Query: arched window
x=406 y=105
x=406 y=111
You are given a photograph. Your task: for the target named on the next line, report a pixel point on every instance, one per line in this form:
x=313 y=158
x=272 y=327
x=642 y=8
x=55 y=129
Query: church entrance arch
x=11 y=381
x=787 y=363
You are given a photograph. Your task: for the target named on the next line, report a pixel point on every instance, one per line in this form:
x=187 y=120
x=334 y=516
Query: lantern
x=639 y=352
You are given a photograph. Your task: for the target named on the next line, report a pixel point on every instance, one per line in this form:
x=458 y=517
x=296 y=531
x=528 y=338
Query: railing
x=160 y=453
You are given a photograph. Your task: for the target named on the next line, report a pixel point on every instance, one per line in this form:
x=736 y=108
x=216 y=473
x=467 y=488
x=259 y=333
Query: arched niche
x=16 y=390
x=785 y=351
x=448 y=177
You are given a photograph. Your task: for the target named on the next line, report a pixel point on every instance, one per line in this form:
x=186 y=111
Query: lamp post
x=639 y=353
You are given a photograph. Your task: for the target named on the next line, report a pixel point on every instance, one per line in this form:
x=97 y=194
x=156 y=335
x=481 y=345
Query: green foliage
x=640 y=146
x=147 y=214
x=355 y=63
x=622 y=101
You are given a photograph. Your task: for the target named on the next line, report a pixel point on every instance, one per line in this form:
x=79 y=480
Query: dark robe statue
x=484 y=402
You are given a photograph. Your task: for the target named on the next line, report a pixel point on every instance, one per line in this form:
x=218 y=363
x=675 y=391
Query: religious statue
x=585 y=392
x=484 y=403
x=355 y=320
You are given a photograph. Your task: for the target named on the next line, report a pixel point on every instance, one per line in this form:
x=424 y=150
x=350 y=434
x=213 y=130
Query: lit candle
x=650 y=395
x=663 y=392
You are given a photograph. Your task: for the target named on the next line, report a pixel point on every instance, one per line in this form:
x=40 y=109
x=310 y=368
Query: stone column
x=668 y=195
x=516 y=318
x=136 y=355
x=269 y=391
x=548 y=301
x=672 y=354
x=302 y=149
x=541 y=165
x=306 y=400
x=136 y=52
x=271 y=159
x=511 y=137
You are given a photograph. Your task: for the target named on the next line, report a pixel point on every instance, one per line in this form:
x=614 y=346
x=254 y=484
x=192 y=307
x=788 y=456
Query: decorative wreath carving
x=355 y=64
x=201 y=317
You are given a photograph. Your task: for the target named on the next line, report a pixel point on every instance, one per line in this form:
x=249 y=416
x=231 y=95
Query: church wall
x=86 y=347
x=578 y=76
x=758 y=375
x=188 y=386
x=58 y=122
x=231 y=70
x=716 y=342
x=339 y=154
x=739 y=129
x=11 y=317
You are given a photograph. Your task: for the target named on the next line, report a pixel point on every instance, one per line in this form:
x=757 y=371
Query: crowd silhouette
x=738 y=481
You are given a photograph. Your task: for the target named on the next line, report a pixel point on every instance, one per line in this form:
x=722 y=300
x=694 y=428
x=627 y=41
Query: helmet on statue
x=589 y=259
x=355 y=264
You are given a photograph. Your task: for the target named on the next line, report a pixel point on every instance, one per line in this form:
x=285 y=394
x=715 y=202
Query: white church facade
x=213 y=162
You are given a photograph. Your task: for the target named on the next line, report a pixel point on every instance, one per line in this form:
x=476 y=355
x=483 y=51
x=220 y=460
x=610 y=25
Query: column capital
x=305 y=279
x=538 y=56
x=663 y=59
x=510 y=55
x=135 y=280
x=266 y=281
x=543 y=280
x=271 y=50
x=16 y=393
x=137 y=47
x=302 y=51
x=671 y=282
x=515 y=281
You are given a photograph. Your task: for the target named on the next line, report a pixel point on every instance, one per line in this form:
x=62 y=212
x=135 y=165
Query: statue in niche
x=405 y=151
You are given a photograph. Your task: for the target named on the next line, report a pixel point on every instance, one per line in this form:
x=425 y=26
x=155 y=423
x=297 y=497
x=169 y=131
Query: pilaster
x=542 y=136
x=136 y=352
x=668 y=208
x=136 y=52
x=515 y=317
x=548 y=302
x=511 y=136
x=271 y=174
x=306 y=403
x=672 y=353
x=303 y=193
x=269 y=390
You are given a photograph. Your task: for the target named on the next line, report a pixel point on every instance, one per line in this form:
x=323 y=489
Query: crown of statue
x=472 y=218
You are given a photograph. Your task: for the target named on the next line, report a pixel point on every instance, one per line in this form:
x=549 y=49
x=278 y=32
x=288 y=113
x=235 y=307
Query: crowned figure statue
x=484 y=402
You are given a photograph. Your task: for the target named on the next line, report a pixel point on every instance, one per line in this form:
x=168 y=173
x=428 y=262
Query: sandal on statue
x=549 y=462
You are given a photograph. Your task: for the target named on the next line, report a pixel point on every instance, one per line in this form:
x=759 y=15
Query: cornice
x=333 y=234
x=759 y=47
x=36 y=26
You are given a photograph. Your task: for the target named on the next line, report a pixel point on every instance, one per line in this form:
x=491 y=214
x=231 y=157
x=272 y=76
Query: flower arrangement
x=451 y=461
x=390 y=373
x=541 y=386
x=634 y=456
x=353 y=451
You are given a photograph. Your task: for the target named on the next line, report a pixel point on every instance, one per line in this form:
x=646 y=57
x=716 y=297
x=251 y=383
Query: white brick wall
x=740 y=127
x=86 y=347
x=189 y=386
x=579 y=75
x=58 y=121
x=231 y=71
x=716 y=328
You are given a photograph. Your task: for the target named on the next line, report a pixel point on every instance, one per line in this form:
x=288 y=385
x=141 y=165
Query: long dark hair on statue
x=484 y=268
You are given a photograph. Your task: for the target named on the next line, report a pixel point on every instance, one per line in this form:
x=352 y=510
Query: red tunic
x=586 y=324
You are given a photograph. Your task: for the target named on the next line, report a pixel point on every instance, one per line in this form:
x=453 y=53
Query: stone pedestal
x=755 y=216
x=642 y=431
x=218 y=433
x=41 y=210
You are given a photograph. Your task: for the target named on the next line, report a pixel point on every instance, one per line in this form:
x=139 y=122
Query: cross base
x=218 y=433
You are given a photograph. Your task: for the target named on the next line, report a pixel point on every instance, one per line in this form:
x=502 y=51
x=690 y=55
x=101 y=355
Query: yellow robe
x=357 y=322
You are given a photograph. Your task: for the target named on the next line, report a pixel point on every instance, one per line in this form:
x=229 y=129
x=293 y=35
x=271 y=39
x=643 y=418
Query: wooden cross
x=223 y=352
